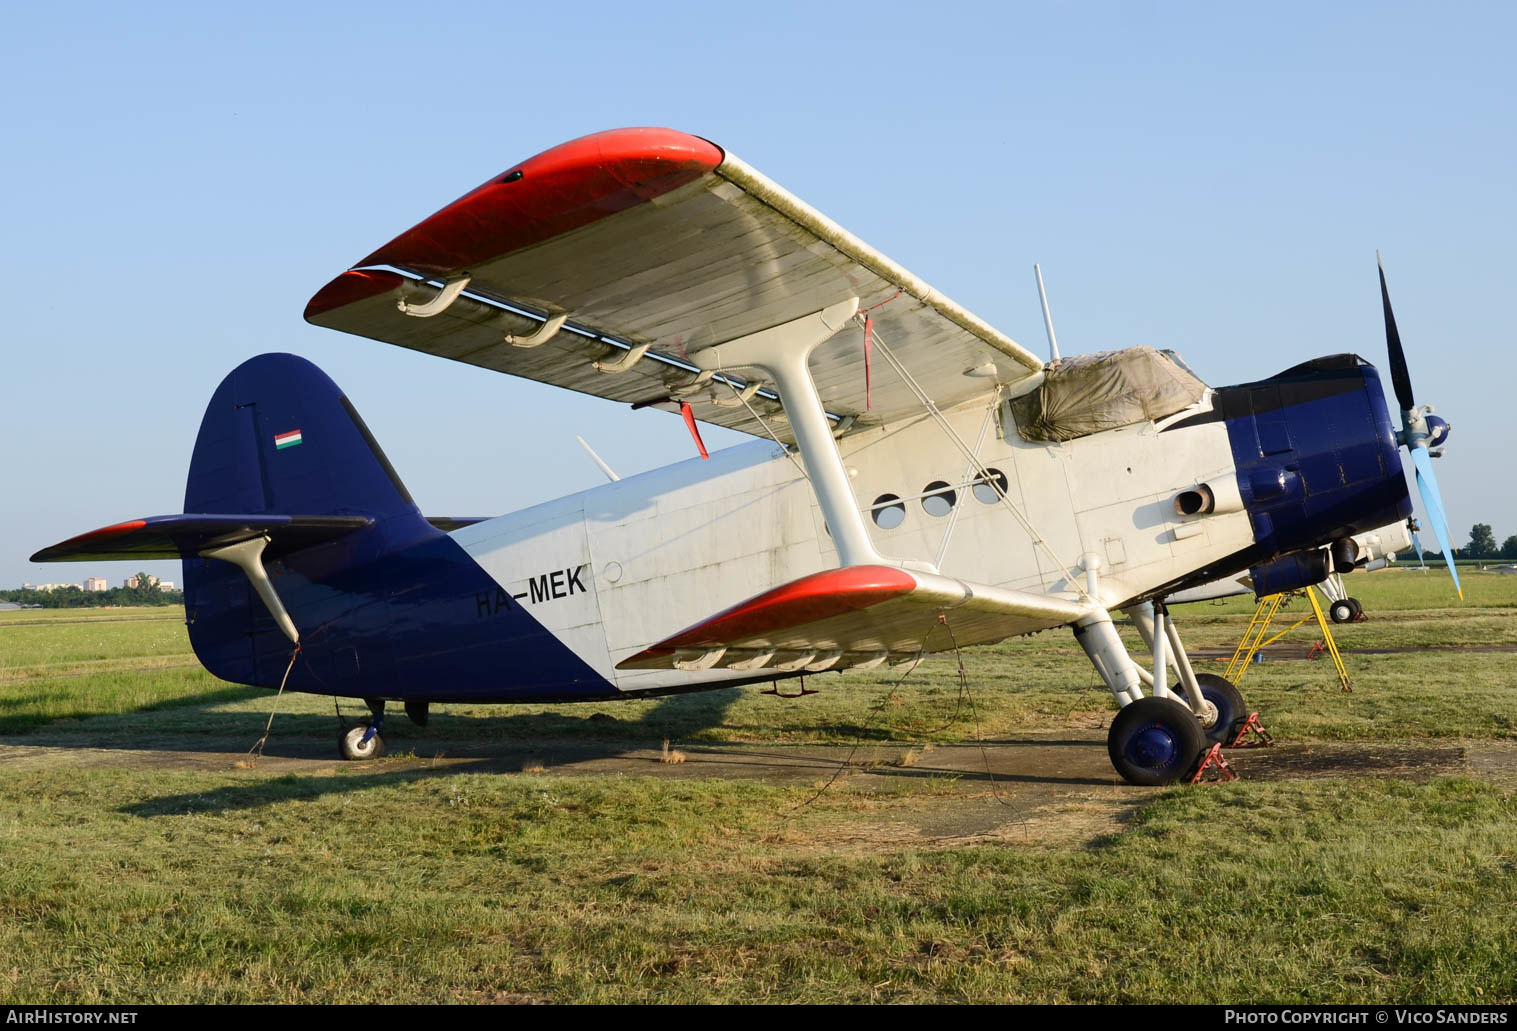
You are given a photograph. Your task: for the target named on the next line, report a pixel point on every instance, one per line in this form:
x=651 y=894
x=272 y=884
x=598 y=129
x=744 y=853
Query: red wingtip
x=560 y=189
x=112 y=530
x=810 y=599
x=60 y=552
x=357 y=285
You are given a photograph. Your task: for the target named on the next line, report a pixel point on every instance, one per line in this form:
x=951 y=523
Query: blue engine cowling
x=1317 y=461
x=1316 y=454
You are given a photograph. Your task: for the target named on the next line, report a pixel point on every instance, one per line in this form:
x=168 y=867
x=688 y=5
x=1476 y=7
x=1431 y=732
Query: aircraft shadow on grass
x=474 y=743
x=294 y=787
x=17 y=717
x=197 y=723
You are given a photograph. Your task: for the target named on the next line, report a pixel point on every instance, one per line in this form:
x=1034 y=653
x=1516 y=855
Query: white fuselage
x=613 y=568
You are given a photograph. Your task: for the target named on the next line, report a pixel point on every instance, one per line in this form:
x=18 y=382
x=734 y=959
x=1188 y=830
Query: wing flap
x=185 y=536
x=854 y=616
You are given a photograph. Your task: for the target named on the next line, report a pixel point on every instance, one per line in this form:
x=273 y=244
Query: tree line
x=72 y=597
x=1483 y=544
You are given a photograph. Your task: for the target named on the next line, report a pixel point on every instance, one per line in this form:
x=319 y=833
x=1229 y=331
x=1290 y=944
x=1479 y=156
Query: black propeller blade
x=1400 y=378
x=1414 y=433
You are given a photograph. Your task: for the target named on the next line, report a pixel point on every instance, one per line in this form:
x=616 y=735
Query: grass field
x=139 y=879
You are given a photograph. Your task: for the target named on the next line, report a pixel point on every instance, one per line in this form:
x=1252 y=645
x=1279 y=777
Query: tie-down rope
x=256 y=752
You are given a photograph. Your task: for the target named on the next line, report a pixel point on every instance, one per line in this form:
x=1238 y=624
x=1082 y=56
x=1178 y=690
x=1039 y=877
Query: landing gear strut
x=364 y=742
x=1154 y=740
x=1161 y=738
x=1216 y=702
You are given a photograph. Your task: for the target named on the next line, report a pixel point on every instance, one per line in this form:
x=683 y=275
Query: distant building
x=165 y=585
x=96 y=583
x=131 y=581
x=55 y=587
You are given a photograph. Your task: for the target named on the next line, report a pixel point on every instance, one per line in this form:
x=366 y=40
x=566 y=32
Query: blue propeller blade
x=1418 y=545
x=1427 y=486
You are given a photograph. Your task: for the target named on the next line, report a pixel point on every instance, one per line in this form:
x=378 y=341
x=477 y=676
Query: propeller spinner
x=1420 y=430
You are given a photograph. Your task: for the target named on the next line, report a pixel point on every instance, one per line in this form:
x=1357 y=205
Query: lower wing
x=855 y=617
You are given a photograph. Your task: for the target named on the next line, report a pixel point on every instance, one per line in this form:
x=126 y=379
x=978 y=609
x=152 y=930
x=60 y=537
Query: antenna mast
x=597 y=459
x=1053 y=341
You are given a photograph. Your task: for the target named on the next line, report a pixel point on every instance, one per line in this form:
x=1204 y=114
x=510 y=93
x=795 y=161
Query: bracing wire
x=765 y=424
x=932 y=409
x=966 y=694
x=878 y=706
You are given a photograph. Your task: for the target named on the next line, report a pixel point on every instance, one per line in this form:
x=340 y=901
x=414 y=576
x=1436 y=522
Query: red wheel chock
x=1316 y=651
x=1221 y=770
x=1252 y=724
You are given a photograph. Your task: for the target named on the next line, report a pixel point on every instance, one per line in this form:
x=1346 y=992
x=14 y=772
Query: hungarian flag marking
x=284 y=440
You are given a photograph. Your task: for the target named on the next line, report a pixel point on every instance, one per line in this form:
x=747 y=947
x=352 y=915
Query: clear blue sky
x=179 y=179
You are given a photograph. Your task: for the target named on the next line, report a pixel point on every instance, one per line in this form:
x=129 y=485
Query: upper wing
x=653 y=237
x=855 y=616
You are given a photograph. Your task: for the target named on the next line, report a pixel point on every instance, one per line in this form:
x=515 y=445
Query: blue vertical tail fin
x=280 y=438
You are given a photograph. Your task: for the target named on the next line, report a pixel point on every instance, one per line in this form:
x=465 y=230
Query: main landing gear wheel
x=1345 y=611
x=1155 y=741
x=1232 y=711
x=354 y=746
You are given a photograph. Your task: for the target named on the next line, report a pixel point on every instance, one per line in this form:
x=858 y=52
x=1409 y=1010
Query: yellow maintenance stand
x=1254 y=639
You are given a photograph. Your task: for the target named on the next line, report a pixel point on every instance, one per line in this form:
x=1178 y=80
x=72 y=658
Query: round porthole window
x=939 y=500
x=984 y=491
x=888 y=512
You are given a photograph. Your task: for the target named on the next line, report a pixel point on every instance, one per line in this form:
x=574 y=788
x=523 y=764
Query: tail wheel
x=1343 y=611
x=353 y=746
x=1155 y=741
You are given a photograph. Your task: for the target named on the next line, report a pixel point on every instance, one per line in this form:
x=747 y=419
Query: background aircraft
x=1375 y=550
x=919 y=481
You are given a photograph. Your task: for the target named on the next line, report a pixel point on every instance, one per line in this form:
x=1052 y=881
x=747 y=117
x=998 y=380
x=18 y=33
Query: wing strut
x=248 y=556
x=782 y=353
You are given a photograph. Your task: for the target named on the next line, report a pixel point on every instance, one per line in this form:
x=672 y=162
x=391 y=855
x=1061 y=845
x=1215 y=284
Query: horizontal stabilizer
x=447 y=524
x=856 y=616
x=185 y=536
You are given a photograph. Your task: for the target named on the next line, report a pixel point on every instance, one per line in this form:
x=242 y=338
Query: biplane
x=917 y=481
